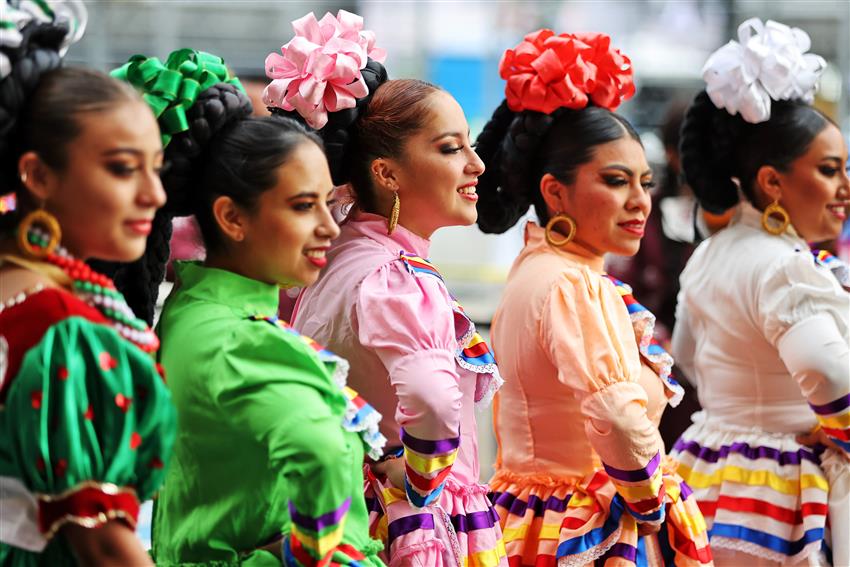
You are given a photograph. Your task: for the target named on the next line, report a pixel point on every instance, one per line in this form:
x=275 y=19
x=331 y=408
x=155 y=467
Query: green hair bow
x=173 y=88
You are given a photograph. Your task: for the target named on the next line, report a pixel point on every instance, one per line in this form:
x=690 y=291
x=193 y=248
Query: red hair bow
x=547 y=71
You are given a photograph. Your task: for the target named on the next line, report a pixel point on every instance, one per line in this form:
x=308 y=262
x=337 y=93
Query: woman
x=86 y=422
x=268 y=463
x=760 y=325
x=382 y=305
x=581 y=474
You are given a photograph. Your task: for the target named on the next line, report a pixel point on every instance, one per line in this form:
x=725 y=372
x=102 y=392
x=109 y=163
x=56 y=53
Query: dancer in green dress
x=269 y=457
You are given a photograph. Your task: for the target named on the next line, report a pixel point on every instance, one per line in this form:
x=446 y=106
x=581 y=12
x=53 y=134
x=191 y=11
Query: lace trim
x=591 y=554
x=488 y=379
x=644 y=326
x=506 y=477
x=759 y=551
x=90 y=522
x=369 y=428
x=459 y=489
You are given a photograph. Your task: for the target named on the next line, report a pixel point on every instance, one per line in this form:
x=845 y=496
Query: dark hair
x=520 y=148
x=717 y=147
x=224 y=152
x=377 y=127
x=40 y=104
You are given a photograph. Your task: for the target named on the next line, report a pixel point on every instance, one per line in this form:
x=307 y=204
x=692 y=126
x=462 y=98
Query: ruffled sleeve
x=804 y=313
x=586 y=330
x=273 y=387
x=406 y=319
x=91 y=426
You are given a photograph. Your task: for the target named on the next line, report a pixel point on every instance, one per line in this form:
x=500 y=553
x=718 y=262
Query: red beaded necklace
x=98 y=291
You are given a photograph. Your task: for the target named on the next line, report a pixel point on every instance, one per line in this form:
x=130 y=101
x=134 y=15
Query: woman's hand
x=113 y=544
x=818 y=437
x=392 y=470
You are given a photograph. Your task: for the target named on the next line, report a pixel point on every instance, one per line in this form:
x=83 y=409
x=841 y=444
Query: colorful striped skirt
x=766 y=495
x=460 y=529
x=548 y=522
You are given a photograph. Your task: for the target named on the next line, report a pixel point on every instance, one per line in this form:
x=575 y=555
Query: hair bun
x=215 y=109
x=24 y=64
x=707 y=147
x=339 y=130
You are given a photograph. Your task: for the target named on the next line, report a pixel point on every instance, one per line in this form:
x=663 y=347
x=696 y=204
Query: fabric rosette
x=768 y=62
x=319 y=70
x=171 y=89
x=547 y=71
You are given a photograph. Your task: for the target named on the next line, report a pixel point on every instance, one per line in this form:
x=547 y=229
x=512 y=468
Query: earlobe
x=230 y=218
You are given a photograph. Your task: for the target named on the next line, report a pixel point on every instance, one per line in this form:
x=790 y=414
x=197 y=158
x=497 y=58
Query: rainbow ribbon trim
x=427 y=464
x=473 y=352
x=834 y=419
x=641 y=489
x=360 y=417
x=643 y=322
x=838 y=268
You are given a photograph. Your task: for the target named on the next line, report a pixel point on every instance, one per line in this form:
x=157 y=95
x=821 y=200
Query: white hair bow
x=768 y=62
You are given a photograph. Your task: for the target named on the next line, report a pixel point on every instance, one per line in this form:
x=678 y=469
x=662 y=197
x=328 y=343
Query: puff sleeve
x=90 y=425
x=804 y=313
x=586 y=330
x=262 y=370
x=406 y=319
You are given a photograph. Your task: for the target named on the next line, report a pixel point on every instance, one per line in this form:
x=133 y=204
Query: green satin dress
x=270 y=445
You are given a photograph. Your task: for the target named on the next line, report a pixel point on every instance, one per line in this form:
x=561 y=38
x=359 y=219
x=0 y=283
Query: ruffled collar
x=535 y=242
x=375 y=227
x=748 y=215
x=245 y=295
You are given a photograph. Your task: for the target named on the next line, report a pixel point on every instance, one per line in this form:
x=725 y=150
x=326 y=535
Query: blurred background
x=457 y=45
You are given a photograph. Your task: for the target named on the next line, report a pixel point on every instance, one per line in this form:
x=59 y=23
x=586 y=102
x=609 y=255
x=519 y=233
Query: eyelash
x=448 y=150
x=308 y=206
x=828 y=171
x=123 y=170
x=620 y=182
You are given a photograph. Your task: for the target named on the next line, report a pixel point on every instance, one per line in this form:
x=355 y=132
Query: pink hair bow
x=319 y=70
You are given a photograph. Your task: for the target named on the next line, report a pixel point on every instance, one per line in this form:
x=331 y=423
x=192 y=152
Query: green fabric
x=37 y=438
x=171 y=89
x=260 y=423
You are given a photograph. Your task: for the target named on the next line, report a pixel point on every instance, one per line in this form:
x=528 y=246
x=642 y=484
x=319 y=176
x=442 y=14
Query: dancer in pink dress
x=404 y=147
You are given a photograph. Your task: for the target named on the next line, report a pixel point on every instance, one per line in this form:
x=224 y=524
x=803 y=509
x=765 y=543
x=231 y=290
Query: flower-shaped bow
x=768 y=62
x=319 y=70
x=13 y=19
x=547 y=71
x=171 y=89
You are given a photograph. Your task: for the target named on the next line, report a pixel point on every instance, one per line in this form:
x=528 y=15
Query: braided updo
x=519 y=148
x=721 y=152
x=40 y=103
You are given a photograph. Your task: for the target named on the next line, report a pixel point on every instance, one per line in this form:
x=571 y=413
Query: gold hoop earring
x=560 y=217
x=42 y=246
x=393 y=220
x=775 y=209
